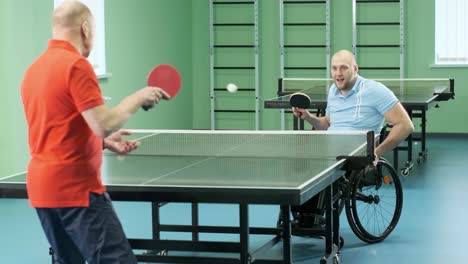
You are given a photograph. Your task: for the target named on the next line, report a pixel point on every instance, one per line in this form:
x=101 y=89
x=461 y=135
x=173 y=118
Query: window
x=97 y=58
x=451 y=32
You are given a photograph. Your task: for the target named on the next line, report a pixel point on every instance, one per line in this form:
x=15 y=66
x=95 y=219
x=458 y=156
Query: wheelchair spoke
x=373 y=207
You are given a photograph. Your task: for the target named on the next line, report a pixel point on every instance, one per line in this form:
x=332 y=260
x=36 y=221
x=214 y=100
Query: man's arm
x=319 y=123
x=402 y=127
x=103 y=121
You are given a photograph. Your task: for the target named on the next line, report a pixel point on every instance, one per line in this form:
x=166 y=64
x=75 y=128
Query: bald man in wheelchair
x=354 y=103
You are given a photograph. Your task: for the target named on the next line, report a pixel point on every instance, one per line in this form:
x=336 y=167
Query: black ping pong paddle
x=300 y=100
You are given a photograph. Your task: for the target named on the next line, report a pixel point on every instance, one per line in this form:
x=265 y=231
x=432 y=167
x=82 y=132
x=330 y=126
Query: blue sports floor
x=433 y=227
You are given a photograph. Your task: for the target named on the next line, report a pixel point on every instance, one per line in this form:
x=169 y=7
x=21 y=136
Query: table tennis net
x=398 y=86
x=287 y=144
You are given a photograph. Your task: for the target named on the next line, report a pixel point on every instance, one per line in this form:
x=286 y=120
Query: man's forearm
x=104 y=121
x=398 y=133
x=124 y=110
x=320 y=123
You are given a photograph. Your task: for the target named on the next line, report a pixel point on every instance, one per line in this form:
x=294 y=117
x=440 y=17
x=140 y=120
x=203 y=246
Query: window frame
x=451 y=48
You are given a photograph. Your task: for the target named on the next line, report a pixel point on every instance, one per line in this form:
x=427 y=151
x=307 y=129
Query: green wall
x=451 y=117
x=139 y=35
x=25 y=30
x=419 y=55
x=143 y=33
x=200 y=64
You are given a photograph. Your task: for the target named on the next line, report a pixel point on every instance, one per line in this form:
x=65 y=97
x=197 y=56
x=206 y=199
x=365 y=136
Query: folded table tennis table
x=284 y=168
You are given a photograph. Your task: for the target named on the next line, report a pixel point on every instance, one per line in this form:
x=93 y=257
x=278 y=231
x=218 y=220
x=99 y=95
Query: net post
x=280 y=87
x=452 y=86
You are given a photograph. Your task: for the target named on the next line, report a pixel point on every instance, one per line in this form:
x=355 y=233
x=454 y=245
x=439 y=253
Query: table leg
x=287 y=248
x=244 y=233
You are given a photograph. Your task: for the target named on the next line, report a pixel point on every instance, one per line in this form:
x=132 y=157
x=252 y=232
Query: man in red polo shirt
x=68 y=123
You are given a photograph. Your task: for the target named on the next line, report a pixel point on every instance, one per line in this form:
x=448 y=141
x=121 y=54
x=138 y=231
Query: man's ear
x=356 y=68
x=85 y=29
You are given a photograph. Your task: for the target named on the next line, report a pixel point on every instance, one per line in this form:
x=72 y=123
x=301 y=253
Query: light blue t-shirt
x=363 y=108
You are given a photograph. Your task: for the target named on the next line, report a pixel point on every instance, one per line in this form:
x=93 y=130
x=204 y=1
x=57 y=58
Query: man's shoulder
x=70 y=60
x=60 y=58
x=372 y=83
x=373 y=86
x=378 y=92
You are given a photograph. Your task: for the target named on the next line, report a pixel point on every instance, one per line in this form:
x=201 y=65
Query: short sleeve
x=84 y=86
x=385 y=98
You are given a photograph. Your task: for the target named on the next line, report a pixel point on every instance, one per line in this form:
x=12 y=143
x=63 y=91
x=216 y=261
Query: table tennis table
x=284 y=168
x=416 y=95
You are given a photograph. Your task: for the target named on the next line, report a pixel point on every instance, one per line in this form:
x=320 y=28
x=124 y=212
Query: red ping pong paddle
x=165 y=77
x=299 y=100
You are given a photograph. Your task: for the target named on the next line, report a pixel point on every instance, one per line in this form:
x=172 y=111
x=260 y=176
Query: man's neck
x=69 y=37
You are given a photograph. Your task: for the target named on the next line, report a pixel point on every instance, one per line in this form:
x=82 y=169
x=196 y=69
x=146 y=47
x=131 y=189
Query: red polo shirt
x=66 y=155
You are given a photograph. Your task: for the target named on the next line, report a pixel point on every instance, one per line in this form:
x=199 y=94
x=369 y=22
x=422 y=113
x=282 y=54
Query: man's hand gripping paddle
x=165 y=77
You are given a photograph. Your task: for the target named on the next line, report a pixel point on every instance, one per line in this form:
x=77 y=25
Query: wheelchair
x=372 y=198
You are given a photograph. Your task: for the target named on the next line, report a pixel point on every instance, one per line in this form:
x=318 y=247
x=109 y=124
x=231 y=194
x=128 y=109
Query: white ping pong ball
x=120 y=157
x=232 y=88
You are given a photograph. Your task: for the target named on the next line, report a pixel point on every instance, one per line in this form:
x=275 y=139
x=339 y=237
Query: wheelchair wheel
x=373 y=202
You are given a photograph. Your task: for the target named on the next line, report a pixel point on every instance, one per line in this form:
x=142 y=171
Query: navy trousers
x=93 y=234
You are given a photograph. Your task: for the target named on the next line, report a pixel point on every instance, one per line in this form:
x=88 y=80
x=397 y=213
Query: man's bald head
x=72 y=21
x=345 y=56
x=70 y=15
